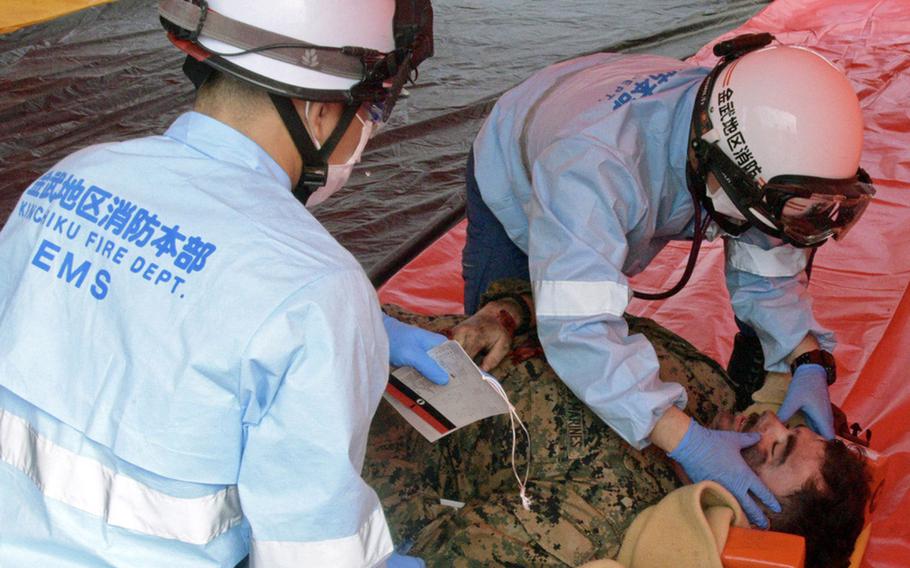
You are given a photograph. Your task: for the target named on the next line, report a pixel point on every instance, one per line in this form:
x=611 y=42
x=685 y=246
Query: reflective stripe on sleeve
x=775 y=262
x=559 y=298
x=121 y=501
x=368 y=547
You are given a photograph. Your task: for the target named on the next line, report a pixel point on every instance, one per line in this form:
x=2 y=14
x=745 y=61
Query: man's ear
x=319 y=117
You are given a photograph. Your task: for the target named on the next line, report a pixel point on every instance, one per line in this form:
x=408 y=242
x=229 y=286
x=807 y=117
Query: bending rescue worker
x=189 y=362
x=584 y=172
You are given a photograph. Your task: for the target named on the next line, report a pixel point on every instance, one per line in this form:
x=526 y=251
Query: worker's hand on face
x=402 y=561
x=808 y=392
x=408 y=346
x=488 y=332
x=715 y=455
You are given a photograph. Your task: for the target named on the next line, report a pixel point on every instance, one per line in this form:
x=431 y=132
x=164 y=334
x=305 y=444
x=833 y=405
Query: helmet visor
x=811 y=210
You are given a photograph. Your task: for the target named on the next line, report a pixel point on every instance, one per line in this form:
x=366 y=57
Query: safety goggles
x=803 y=210
x=811 y=210
x=380 y=76
x=374 y=113
x=371 y=116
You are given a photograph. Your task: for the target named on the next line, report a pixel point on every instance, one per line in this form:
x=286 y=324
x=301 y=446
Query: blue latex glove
x=408 y=347
x=809 y=392
x=715 y=455
x=402 y=561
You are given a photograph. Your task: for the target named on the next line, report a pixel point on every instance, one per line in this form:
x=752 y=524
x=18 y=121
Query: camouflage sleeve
x=506 y=286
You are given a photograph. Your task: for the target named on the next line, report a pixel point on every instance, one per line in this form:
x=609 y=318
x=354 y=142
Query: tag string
x=513 y=417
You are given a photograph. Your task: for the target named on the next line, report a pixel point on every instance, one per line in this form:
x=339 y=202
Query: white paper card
x=437 y=410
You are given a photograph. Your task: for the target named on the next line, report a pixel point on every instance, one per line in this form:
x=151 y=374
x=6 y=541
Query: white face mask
x=721 y=201
x=338 y=174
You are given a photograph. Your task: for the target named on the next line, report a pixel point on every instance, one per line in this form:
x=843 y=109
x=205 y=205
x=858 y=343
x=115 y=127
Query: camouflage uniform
x=586 y=483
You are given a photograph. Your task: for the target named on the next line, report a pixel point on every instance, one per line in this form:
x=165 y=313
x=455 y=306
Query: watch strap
x=817 y=357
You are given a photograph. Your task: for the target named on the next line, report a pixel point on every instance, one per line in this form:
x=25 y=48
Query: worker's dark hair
x=222 y=86
x=830 y=514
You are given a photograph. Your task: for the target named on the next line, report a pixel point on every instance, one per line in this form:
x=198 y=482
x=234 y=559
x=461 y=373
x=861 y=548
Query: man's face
x=785 y=458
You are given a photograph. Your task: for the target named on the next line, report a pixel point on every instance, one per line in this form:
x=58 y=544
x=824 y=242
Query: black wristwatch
x=817 y=357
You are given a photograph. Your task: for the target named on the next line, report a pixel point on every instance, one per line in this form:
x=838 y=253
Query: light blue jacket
x=189 y=364
x=584 y=165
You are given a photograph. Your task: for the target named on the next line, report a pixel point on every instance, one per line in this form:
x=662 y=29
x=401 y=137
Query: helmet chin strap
x=696 y=183
x=699 y=230
x=721 y=202
x=696 y=168
x=315 y=161
x=696 y=180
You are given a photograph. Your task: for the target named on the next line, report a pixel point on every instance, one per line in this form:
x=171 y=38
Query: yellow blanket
x=687 y=529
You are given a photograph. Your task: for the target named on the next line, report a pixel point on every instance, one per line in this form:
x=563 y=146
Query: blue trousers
x=489 y=254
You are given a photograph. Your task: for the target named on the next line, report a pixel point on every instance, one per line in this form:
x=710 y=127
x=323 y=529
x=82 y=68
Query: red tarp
x=860 y=285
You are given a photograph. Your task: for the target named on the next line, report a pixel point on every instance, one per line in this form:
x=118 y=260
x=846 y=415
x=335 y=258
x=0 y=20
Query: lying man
x=586 y=484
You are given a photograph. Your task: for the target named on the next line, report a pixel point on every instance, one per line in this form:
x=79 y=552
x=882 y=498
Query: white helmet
x=781 y=129
x=358 y=52
x=366 y=24
x=343 y=50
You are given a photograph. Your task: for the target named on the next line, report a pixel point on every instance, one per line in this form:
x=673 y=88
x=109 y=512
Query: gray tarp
x=109 y=73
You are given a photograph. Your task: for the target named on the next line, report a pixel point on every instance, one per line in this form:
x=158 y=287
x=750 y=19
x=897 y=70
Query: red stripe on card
x=417 y=409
